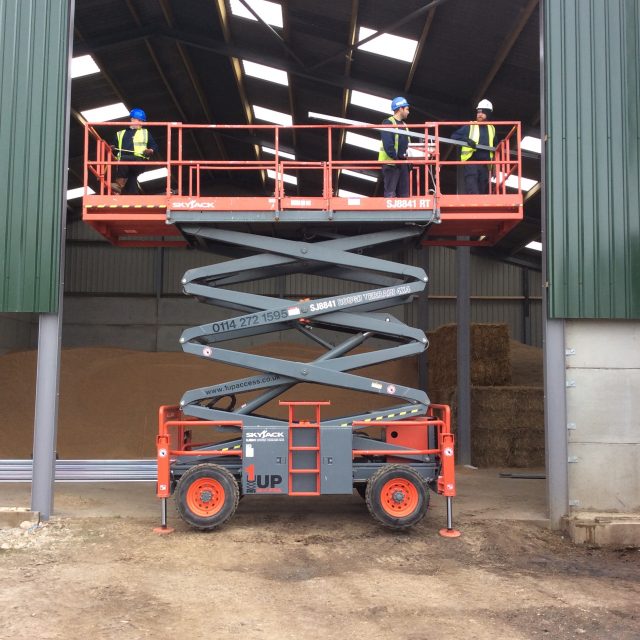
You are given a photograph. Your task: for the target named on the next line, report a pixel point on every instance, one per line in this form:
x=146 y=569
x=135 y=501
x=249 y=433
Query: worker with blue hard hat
x=135 y=144
x=394 y=147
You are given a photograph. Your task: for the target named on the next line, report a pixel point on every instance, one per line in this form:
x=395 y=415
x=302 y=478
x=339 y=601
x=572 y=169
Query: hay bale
x=490 y=356
x=507 y=426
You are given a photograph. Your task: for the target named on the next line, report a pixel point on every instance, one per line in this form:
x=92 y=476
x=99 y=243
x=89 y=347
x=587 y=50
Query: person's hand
x=148 y=152
x=471 y=143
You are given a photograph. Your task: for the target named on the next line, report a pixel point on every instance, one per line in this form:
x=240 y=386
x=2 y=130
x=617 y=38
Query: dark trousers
x=476 y=178
x=131 y=173
x=396 y=180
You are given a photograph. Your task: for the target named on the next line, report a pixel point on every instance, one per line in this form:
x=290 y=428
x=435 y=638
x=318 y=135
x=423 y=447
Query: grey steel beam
x=463 y=319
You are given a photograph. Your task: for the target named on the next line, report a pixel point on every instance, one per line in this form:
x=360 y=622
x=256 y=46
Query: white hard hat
x=484 y=104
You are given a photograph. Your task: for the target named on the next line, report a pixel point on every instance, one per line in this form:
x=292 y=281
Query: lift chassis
x=392 y=457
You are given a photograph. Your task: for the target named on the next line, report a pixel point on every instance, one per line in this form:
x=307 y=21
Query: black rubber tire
x=207 y=496
x=381 y=507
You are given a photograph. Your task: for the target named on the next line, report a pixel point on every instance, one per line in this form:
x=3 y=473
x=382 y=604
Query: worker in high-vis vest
x=134 y=144
x=479 y=132
x=393 y=147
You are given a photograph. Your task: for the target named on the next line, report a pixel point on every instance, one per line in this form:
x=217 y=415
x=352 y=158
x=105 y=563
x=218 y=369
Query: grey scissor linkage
x=356 y=315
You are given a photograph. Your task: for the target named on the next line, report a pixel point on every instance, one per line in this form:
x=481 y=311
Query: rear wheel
x=207 y=496
x=397 y=496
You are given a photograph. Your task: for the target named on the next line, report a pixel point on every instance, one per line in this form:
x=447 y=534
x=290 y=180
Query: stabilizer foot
x=163 y=531
x=450 y=533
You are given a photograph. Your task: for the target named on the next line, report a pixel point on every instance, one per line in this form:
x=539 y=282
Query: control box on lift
x=305 y=459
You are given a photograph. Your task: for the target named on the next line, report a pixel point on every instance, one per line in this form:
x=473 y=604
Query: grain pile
x=109 y=398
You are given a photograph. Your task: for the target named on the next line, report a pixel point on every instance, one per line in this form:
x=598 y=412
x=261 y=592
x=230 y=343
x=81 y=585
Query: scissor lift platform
x=282 y=235
x=154 y=220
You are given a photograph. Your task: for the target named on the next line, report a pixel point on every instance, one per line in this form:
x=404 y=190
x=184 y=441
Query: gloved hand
x=471 y=143
x=148 y=152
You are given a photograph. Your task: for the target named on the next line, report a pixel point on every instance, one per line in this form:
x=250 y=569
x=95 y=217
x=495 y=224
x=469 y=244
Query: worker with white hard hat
x=479 y=132
x=134 y=144
x=393 y=147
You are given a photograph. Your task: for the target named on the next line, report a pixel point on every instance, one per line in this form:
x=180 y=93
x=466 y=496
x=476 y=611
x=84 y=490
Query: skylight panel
x=270 y=12
x=115 y=111
x=285 y=177
x=83 y=66
x=531 y=143
x=356 y=174
x=78 y=192
x=269 y=115
x=364 y=142
x=343 y=193
x=368 y=101
x=262 y=71
x=388 y=45
x=154 y=174
x=512 y=182
x=536 y=246
x=281 y=153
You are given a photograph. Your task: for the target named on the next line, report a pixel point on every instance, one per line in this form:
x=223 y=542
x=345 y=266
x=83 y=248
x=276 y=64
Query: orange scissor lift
x=283 y=234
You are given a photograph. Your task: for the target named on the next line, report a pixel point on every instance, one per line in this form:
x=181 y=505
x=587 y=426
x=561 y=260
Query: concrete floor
x=482 y=493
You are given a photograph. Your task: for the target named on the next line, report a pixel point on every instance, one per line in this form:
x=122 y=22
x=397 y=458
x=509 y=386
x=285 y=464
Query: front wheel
x=397 y=496
x=207 y=496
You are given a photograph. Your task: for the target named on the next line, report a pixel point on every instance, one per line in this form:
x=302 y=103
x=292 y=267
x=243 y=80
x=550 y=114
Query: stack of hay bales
x=507 y=420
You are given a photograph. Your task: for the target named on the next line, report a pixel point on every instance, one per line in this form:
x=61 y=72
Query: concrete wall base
x=603 y=529
x=14 y=516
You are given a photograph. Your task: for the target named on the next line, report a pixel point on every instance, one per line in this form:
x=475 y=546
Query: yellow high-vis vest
x=382 y=155
x=140 y=141
x=474 y=134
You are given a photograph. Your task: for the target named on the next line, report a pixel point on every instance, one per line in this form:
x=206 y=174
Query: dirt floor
x=310 y=568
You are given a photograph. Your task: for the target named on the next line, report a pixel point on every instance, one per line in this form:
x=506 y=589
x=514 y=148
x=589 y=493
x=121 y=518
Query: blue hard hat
x=138 y=114
x=398 y=102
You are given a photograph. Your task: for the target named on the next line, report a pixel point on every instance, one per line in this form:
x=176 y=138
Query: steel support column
x=46 y=415
x=463 y=319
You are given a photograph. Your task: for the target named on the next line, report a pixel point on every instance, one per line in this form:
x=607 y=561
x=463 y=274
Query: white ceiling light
x=270 y=12
x=269 y=115
x=536 y=246
x=285 y=177
x=365 y=142
x=264 y=72
x=154 y=174
x=343 y=193
x=83 y=66
x=388 y=45
x=362 y=176
x=368 y=101
x=78 y=192
x=115 y=111
x=530 y=143
x=281 y=153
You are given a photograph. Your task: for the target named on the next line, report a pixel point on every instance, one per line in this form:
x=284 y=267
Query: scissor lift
x=342 y=238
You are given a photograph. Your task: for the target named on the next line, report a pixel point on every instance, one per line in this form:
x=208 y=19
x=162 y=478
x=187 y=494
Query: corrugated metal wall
x=500 y=292
x=34 y=51
x=592 y=89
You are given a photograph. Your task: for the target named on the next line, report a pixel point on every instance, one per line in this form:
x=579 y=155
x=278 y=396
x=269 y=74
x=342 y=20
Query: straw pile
x=507 y=399
x=490 y=356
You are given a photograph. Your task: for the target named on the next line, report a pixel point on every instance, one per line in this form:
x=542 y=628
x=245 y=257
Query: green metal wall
x=592 y=117
x=34 y=52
